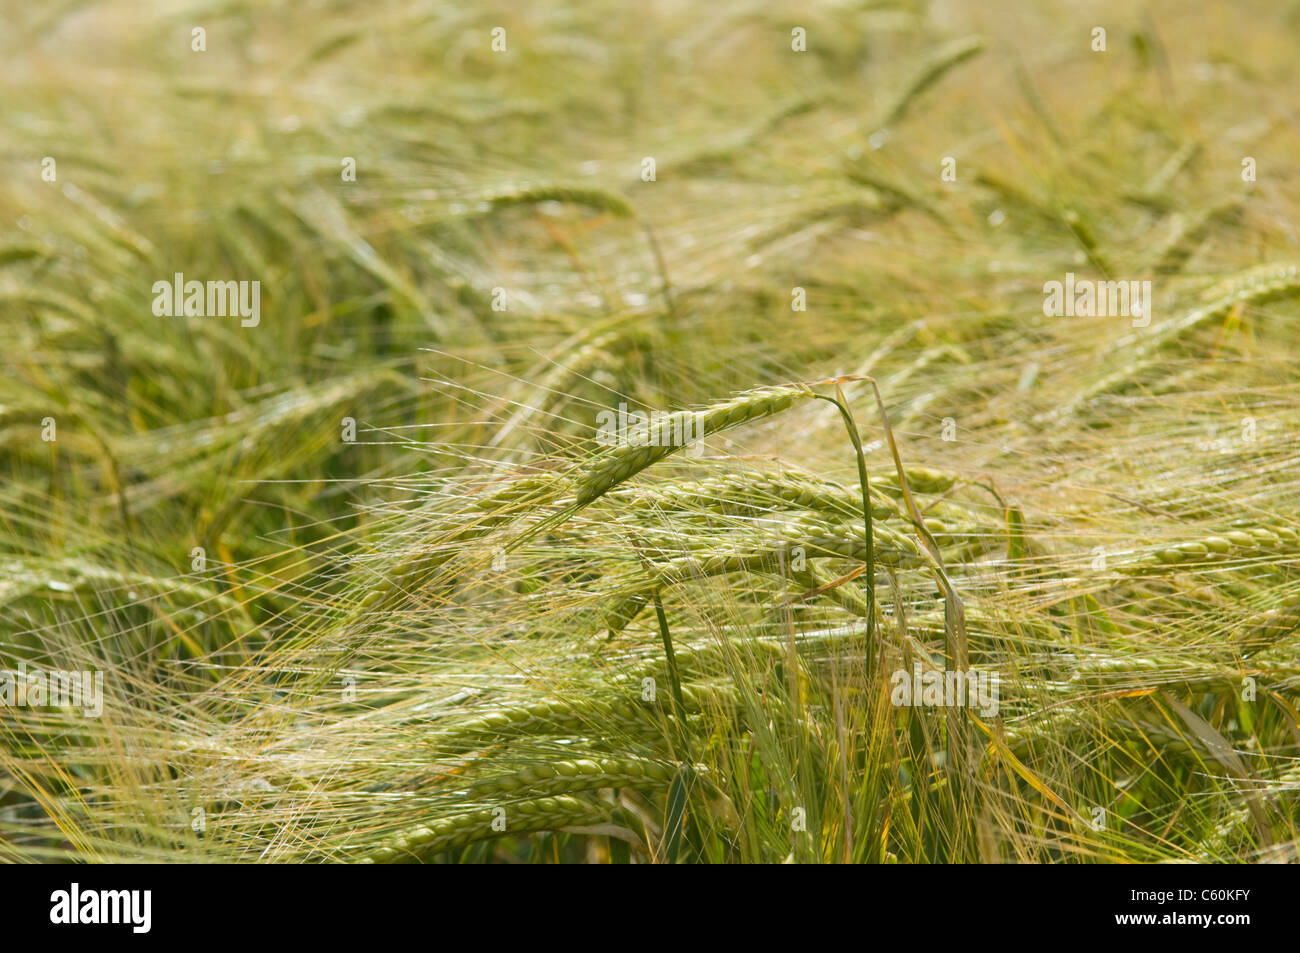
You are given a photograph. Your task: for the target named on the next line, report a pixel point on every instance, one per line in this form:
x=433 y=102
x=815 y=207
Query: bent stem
x=850 y=425
x=960 y=757
x=959 y=754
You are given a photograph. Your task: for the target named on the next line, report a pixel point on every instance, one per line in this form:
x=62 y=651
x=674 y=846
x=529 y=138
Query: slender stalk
x=673 y=823
x=870 y=560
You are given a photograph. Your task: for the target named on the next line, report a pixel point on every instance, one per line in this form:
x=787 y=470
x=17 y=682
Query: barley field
x=857 y=431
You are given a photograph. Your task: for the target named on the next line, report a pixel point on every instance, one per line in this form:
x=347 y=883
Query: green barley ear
x=623 y=462
x=932 y=69
x=460 y=830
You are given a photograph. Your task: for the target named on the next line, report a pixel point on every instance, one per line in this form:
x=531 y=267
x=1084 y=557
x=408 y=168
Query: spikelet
x=745 y=494
x=1241 y=542
x=459 y=830
x=584 y=774
x=626 y=460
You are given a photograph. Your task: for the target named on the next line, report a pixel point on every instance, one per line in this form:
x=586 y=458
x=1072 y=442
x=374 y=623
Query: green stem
x=676 y=814
x=865 y=487
x=679 y=704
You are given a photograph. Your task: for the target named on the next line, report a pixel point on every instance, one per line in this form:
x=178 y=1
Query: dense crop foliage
x=527 y=519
